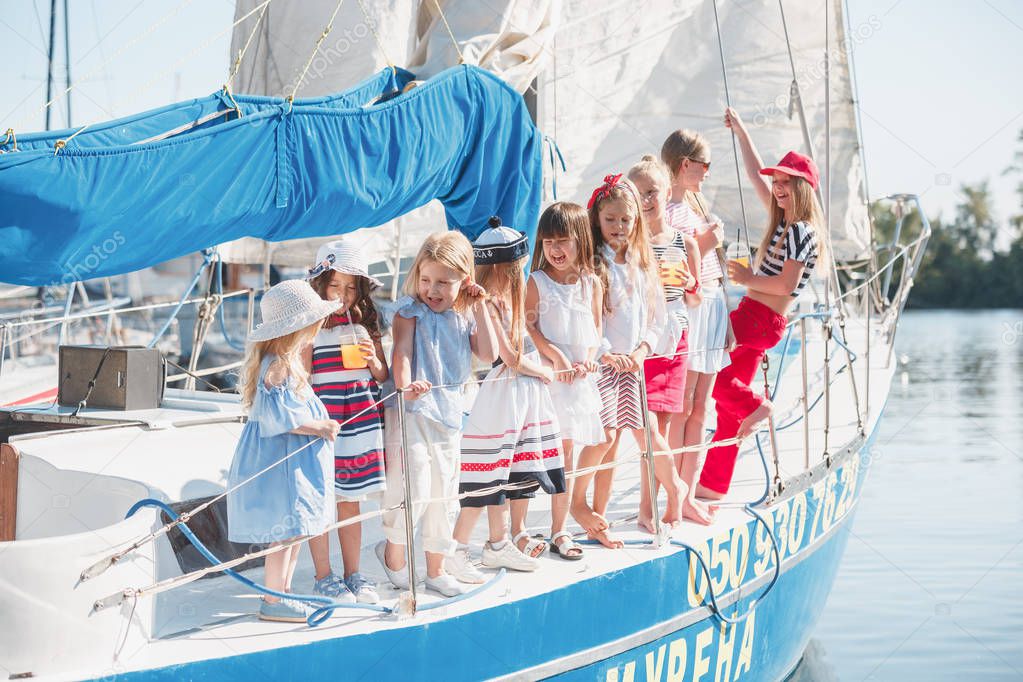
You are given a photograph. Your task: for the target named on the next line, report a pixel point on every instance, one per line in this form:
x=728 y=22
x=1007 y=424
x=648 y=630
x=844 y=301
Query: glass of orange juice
x=351 y=351
x=673 y=267
x=739 y=252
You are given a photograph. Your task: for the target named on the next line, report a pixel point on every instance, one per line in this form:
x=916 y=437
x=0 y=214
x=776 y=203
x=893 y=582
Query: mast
x=67 y=59
x=49 y=59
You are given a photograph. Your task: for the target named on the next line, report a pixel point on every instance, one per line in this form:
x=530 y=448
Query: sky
x=938 y=80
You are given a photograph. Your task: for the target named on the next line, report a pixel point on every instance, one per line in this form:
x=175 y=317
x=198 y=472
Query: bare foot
x=708 y=493
x=591 y=521
x=538 y=549
x=606 y=539
x=697 y=511
x=672 y=516
x=646 y=522
x=758 y=415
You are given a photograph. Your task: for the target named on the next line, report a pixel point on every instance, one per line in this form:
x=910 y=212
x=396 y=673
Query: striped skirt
x=511 y=436
x=359 y=448
x=621 y=405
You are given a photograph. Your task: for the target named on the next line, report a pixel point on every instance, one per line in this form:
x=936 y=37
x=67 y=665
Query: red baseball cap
x=798 y=165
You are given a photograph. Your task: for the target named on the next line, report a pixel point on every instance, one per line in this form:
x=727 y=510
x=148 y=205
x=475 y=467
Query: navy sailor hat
x=499 y=244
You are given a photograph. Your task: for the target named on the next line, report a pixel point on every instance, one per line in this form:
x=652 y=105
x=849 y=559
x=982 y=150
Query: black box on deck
x=130 y=378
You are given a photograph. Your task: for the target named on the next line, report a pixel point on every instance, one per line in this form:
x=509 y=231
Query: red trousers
x=757 y=328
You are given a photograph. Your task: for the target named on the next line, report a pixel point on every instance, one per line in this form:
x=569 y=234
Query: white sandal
x=532 y=542
x=563 y=549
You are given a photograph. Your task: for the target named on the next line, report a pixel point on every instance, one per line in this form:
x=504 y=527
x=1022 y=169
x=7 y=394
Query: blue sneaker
x=284 y=611
x=365 y=591
x=335 y=588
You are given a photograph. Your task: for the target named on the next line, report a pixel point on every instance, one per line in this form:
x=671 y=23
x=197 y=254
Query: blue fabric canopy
x=142 y=126
x=320 y=167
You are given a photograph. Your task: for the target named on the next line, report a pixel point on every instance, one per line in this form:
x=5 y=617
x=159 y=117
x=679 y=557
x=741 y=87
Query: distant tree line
x=963 y=266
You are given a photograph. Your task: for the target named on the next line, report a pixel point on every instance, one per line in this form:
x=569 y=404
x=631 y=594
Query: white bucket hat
x=343 y=256
x=288 y=307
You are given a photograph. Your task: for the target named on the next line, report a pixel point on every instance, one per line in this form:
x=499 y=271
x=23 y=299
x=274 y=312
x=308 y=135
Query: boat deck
x=216 y=617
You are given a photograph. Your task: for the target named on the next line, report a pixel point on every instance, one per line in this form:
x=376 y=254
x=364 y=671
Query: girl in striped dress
x=633 y=308
x=347 y=366
x=512 y=434
x=666 y=375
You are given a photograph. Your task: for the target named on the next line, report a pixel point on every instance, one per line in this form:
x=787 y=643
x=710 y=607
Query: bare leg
x=690 y=431
x=758 y=415
x=497 y=519
x=350 y=537
x=662 y=422
x=603 y=480
x=292 y=562
x=434 y=564
x=667 y=476
x=467 y=518
x=590 y=456
x=394 y=556
x=519 y=509
x=319 y=549
x=560 y=502
x=275 y=568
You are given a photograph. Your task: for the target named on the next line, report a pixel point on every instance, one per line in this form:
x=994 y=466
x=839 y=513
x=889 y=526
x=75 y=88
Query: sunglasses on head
x=705 y=164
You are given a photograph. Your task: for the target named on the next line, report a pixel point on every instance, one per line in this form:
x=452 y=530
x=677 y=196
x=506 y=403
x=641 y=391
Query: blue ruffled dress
x=295 y=497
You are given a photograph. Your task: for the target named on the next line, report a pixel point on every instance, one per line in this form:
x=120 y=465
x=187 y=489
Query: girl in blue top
x=438 y=326
x=293 y=497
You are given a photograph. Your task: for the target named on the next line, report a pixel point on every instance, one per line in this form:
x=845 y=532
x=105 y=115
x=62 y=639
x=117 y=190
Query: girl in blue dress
x=294 y=497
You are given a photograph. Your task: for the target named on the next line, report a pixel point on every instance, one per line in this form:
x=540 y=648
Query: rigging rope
x=241 y=53
x=461 y=57
x=316 y=48
x=61 y=144
x=728 y=103
x=376 y=36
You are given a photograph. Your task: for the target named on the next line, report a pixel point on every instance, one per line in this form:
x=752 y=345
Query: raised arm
x=751 y=159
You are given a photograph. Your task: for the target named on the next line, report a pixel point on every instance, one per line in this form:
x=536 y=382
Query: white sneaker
x=398 y=578
x=508 y=556
x=461 y=567
x=446 y=584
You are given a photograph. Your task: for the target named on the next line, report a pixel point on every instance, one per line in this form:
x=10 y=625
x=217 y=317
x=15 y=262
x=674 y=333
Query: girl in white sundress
x=512 y=435
x=563 y=309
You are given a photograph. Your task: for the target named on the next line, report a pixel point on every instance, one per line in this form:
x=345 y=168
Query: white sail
x=612 y=80
x=623 y=76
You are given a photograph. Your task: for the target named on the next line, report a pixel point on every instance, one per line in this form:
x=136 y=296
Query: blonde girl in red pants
x=785 y=259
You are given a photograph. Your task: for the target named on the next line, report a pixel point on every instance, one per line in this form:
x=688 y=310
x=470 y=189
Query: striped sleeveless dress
x=359 y=448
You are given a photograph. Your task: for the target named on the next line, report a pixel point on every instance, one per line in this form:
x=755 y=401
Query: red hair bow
x=604 y=191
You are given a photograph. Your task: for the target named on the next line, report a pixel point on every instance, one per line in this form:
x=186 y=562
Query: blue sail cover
x=142 y=126
x=320 y=167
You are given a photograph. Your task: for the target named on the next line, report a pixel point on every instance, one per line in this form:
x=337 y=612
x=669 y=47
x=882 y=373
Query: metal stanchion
x=870 y=333
x=649 y=456
x=250 y=311
x=806 y=405
x=410 y=554
x=852 y=373
x=778 y=485
x=827 y=387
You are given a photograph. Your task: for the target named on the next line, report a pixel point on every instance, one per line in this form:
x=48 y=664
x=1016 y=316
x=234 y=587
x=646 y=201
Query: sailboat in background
x=88 y=593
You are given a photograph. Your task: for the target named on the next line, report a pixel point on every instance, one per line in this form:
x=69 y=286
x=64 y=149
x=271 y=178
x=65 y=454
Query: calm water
x=931 y=587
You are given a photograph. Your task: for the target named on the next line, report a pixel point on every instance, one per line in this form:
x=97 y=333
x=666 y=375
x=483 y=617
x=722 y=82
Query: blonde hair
x=564 y=220
x=505 y=282
x=288 y=349
x=681 y=145
x=804 y=209
x=638 y=251
x=652 y=167
x=451 y=249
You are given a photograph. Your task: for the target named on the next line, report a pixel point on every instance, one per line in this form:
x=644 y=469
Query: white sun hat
x=288 y=307
x=344 y=256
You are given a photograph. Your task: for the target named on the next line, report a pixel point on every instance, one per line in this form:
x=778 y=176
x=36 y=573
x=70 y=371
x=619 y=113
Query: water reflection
x=927 y=589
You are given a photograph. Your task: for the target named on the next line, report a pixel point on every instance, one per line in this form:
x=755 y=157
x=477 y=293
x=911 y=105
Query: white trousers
x=434 y=459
